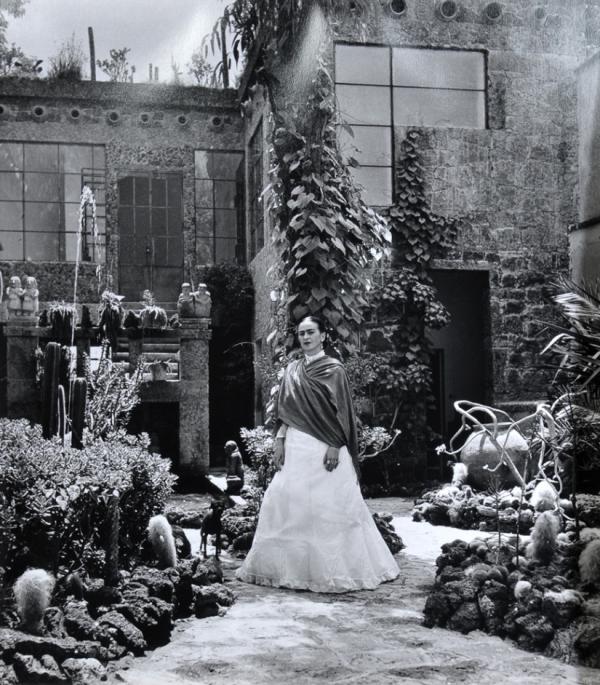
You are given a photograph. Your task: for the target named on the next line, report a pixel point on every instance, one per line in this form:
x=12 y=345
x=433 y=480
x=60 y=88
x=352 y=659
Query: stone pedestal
x=194 y=455
x=22 y=394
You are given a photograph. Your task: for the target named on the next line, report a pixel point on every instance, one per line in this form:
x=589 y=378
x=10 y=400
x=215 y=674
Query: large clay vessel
x=479 y=451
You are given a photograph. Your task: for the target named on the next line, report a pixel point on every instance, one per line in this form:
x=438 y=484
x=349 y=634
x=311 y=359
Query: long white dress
x=315 y=531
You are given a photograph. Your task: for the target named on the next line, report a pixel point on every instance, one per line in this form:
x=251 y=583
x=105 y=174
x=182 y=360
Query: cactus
x=589 y=563
x=77 y=410
x=62 y=413
x=160 y=535
x=52 y=364
x=543 y=537
x=111 y=570
x=33 y=591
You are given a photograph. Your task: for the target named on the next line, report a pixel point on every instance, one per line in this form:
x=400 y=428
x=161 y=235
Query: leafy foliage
x=54 y=499
x=112 y=395
x=117 y=67
x=68 y=63
x=199 y=68
x=259 y=445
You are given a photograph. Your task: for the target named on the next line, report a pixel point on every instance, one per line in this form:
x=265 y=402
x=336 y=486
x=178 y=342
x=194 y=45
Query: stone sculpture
x=30 y=301
x=14 y=293
x=194 y=304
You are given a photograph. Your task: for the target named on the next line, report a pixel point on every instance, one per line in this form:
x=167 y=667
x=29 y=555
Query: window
x=378 y=88
x=40 y=193
x=255 y=188
x=219 y=206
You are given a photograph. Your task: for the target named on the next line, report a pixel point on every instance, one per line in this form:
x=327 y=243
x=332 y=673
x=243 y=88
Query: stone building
x=178 y=174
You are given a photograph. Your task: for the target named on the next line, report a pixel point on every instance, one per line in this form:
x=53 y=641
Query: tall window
x=381 y=87
x=40 y=190
x=219 y=192
x=255 y=189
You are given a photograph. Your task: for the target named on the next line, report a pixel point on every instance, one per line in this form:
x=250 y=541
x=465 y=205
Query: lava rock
x=42 y=670
x=13 y=641
x=158 y=581
x=8 y=675
x=437 y=610
x=587 y=641
x=466 y=618
x=124 y=632
x=54 y=622
x=98 y=594
x=208 y=571
x=561 y=607
x=536 y=628
x=84 y=671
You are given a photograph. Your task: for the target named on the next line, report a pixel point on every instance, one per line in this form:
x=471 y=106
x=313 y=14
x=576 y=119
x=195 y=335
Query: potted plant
x=110 y=313
x=151 y=315
x=61 y=317
x=159 y=369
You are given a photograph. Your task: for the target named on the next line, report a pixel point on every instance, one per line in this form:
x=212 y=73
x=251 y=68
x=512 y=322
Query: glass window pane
x=174 y=191
x=42 y=187
x=226 y=223
x=225 y=250
x=75 y=158
x=225 y=164
x=362 y=64
x=72 y=218
x=201 y=163
x=376 y=183
x=370 y=144
x=439 y=108
x=142 y=190
x=11 y=185
x=126 y=190
x=204 y=222
x=11 y=216
x=225 y=192
x=42 y=217
x=41 y=157
x=72 y=187
x=364 y=104
x=204 y=250
x=11 y=156
x=174 y=220
x=99 y=157
x=71 y=247
x=204 y=194
x=125 y=220
x=12 y=245
x=101 y=224
x=142 y=220
x=159 y=221
x=159 y=192
x=42 y=246
x=438 y=68
x=175 y=251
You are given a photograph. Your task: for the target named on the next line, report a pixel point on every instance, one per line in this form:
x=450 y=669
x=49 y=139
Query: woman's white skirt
x=315 y=531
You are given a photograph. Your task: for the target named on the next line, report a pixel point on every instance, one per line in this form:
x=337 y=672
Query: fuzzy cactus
x=543 y=537
x=161 y=538
x=589 y=563
x=544 y=497
x=33 y=591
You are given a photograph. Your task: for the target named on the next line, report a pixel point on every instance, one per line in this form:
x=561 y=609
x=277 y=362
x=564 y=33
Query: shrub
x=53 y=499
x=259 y=445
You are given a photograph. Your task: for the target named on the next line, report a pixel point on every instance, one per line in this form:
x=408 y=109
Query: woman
x=315 y=531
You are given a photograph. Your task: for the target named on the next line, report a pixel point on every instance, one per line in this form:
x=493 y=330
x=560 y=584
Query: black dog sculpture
x=211 y=525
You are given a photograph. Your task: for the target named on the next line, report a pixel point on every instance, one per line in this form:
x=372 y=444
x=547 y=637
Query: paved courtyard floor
x=281 y=637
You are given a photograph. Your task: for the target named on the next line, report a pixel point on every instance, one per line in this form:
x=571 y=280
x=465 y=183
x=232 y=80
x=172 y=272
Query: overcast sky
x=155 y=30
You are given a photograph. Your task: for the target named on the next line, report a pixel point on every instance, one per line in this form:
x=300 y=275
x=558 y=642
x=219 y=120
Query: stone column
x=194 y=455
x=22 y=393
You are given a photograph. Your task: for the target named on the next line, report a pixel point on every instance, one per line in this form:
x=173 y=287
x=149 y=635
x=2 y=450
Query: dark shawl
x=315 y=398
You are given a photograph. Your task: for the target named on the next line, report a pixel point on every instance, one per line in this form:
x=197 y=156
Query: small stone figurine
x=235 y=467
x=14 y=293
x=194 y=304
x=30 y=302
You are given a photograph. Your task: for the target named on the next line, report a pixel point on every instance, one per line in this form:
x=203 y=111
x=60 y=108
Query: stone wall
x=514 y=184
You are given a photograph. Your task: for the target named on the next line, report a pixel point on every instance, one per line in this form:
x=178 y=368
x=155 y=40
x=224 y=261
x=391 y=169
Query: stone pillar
x=22 y=393
x=194 y=443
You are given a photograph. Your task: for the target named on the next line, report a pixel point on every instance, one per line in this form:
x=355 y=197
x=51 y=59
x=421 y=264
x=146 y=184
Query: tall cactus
x=77 y=410
x=50 y=383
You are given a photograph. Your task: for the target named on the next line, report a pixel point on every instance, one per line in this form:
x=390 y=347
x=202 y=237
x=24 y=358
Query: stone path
x=275 y=637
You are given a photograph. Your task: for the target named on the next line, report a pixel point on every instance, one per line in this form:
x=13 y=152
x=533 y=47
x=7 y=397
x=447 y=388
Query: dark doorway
x=150 y=235
x=161 y=421
x=462 y=349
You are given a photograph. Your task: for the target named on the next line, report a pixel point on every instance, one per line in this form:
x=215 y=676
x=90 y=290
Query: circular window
x=217 y=122
x=144 y=118
x=2 y=110
x=540 y=13
x=74 y=114
x=493 y=11
x=39 y=111
x=448 y=9
x=398 y=7
x=113 y=116
x=181 y=119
